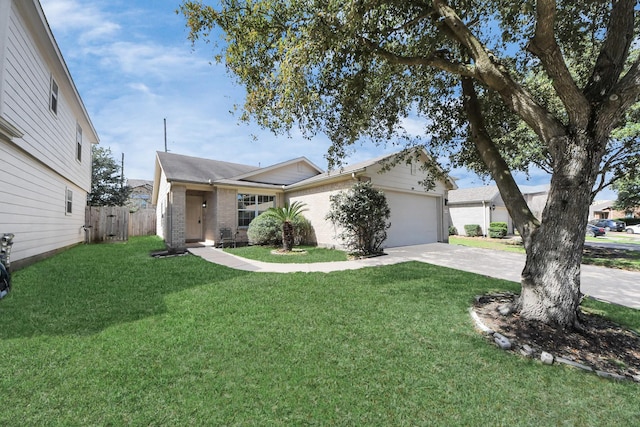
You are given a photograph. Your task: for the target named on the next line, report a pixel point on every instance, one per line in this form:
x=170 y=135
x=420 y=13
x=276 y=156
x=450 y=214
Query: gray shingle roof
x=477 y=194
x=178 y=167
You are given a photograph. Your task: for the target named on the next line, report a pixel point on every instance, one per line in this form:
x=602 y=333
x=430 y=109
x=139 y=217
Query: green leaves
x=107 y=183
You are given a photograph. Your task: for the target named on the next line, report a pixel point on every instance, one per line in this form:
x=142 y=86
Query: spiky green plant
x=286 y=215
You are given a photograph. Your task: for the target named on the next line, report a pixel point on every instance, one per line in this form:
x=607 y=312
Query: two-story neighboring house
x=45 y=138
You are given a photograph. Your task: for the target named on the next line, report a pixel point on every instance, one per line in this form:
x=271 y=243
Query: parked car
x=633 y=229
x=593 y=231
x=609 y=224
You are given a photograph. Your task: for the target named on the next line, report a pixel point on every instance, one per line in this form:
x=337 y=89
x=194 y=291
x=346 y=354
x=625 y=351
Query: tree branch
x=497 y=78
x=525 y=221
x=433 y=60
x=545 y=47
x=615 y=49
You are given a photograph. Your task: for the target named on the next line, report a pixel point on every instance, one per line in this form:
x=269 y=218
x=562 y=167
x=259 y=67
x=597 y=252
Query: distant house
x=45 y=138
x=141 y=193
x=604 y=209
x=196 y=198
x=484 y=205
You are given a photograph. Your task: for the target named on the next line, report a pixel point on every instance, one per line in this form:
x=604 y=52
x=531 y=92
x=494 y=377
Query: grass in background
x=313 y=254
x=106 y=335
x=605 y=257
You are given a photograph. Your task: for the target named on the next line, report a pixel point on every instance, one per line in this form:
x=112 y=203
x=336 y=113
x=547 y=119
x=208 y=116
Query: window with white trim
x=252 y=205
x=78 y=143
x=69 y=202
x=53 y=96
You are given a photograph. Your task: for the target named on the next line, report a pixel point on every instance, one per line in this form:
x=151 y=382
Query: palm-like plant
x=286 y=215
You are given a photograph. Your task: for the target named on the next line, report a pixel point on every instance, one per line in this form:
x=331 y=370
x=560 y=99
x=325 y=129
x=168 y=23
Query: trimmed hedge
x=498 y=230
x=453 y=231
x=473 y=230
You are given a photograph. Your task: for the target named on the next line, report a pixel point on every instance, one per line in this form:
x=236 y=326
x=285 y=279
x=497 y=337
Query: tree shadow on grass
x=89 y=288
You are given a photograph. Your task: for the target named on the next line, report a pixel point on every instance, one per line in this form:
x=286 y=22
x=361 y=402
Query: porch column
x=177 y=218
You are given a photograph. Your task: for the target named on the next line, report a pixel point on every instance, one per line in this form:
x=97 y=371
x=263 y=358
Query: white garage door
x=414 y=219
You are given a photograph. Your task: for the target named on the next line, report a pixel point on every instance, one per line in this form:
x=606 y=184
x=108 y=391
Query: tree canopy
x=502 y=85
x=107 y=181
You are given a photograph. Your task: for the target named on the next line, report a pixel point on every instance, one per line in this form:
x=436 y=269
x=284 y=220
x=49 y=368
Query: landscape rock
x=502 y=341
x=574 y=364
x=546 y=358
x=526 y=351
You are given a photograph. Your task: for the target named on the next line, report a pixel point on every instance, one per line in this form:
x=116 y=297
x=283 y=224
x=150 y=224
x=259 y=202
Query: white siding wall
x=33 y=206
x=48 y=137
x=37 y=169
x=462 y=215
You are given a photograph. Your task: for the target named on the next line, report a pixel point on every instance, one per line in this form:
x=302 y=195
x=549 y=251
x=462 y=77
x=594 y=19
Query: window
x=69 y=202
x=53 y=99
x=78 y=143
x=252 y=205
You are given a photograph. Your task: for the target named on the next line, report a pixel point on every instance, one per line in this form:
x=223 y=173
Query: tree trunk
x=551 y=276
x=287 y=236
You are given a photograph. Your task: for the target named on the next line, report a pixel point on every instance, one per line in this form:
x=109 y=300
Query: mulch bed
x=601 y=344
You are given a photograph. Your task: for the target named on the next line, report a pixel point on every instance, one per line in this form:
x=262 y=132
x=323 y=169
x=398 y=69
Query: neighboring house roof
x=133 y=183
x=488 y=193
x=602 y=205
x=178 y=167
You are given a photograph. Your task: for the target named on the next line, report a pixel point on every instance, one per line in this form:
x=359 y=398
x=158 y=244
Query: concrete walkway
x=617 y=286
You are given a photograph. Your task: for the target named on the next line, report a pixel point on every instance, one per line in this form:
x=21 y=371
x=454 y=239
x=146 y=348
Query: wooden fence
x=107 y=223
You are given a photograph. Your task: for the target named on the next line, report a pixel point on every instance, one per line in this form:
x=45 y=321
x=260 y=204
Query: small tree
x=286 y=216
x=107 y=182
x=363 y=215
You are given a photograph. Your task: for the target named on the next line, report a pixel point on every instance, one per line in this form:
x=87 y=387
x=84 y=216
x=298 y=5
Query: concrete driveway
x=609 y=284
x=617 y=286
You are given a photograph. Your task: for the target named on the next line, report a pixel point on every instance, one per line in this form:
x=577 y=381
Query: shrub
x=498 y=230
x=363 y=214
x=267 y=230
x=473 y=230
x=453 y=231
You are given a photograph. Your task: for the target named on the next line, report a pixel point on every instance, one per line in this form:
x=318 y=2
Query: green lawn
x=106 y=335
x=312 y=254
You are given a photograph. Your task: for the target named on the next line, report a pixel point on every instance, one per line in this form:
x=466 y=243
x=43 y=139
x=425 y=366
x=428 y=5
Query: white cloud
x=66 y=16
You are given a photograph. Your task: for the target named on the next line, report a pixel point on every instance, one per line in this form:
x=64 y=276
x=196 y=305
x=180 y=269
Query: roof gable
x=284 y=173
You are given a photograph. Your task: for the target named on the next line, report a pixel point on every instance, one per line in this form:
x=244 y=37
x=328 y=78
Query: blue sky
x=134 y=67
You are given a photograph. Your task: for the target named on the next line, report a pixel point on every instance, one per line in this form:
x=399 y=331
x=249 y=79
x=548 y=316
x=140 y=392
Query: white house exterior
x=484 y=205
x=45 y=138
x=196 y=198
x=417 y=216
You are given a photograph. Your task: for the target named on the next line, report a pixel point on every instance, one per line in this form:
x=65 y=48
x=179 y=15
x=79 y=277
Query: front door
x=194 y=219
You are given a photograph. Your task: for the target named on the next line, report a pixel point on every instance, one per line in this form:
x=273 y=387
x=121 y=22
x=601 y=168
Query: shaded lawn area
x=312 y=254
x=106 y=335
x=601 y=256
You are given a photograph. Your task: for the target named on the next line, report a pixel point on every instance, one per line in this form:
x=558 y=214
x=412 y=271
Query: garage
x=415 y=219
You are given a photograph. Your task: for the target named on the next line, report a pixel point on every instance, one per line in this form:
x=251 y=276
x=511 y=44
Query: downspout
x=484 y=218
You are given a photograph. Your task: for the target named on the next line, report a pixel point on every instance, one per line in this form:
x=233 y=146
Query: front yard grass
x=313 y=254
x=605 y=257
x=107 y=335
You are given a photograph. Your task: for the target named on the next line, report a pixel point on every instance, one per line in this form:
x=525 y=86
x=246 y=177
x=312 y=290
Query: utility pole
x=165 y=135
x=122 y=172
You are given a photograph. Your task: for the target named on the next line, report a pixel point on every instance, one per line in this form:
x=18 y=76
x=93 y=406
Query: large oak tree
x=503 y=85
